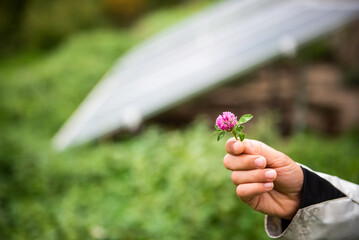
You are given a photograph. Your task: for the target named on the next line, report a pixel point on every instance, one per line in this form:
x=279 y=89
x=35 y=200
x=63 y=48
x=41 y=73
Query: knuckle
x=264 y=151
x=247 y=163
x=259 y=176
x=234 y=177
x=229 y=144
x=241 y=192
x=227 y=161
x=259 y=148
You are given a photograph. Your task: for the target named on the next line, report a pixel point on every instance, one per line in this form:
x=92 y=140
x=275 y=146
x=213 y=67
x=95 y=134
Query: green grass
x=158 y=185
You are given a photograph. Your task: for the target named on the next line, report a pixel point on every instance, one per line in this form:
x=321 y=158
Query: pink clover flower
x=226 y=121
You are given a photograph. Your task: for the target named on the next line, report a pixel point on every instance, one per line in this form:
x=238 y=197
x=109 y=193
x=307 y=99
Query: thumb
x=252 y=147
x=234 y=147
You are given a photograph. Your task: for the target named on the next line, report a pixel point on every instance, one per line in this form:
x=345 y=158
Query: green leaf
x=237 y=133
x=217 y=131
x=245 y=118
x=220 y=135
x=242 y=136
x=216 y=127
x=239 y=128
x=234 y=133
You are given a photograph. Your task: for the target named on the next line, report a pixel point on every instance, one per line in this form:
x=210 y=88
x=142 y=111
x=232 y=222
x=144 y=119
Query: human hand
x=267 y=180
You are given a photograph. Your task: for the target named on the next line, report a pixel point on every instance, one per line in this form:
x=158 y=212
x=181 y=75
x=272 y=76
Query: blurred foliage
x=157 y=185
x=123 y=12
x=318 y=50
x=43 y=24
x=39 y=24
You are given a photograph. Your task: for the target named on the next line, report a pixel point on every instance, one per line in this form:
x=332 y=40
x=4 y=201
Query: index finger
x=234 y=147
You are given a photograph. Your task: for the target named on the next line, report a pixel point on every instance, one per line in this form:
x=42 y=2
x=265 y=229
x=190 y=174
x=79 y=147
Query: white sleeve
x=332 y=219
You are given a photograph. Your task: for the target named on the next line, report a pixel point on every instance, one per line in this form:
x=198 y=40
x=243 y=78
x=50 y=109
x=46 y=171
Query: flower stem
x=234 y=133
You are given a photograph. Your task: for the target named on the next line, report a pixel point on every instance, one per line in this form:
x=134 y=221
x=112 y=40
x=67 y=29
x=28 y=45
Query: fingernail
x=259 y=162
x=236 y=147
x=268 y=185
x=270 y=174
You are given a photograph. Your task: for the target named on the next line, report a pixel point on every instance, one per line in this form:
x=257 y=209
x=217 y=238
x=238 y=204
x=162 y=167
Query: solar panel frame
x=197 y=55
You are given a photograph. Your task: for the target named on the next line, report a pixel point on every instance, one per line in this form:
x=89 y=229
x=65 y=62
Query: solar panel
x=197 y=54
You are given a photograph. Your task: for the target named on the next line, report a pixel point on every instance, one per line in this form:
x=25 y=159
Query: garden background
x=162 y=183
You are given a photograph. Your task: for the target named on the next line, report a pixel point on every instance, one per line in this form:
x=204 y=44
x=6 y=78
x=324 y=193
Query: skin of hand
x=267 y=180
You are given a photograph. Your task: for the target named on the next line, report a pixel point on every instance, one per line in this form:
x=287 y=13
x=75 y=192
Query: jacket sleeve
x=329 y=210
